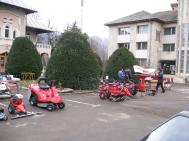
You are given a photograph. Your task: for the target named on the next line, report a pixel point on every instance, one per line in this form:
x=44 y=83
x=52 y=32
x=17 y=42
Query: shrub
x=73 y=63
x=23 y=57
x=120 y=58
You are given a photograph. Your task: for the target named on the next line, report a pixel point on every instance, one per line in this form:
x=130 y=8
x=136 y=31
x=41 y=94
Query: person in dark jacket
x=121 y=75
x=160 y=80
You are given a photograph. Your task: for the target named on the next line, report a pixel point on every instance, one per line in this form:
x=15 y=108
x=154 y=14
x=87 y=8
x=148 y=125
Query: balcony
x=123 y=39
x=141 y=54
x=40 y=45
x=43 y=48
x=142 y=38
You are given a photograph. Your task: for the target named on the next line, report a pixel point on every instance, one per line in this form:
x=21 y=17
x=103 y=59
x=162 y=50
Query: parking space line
x=84 y=103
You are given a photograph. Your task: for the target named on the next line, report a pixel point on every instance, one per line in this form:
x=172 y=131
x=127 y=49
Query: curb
x=70 y=91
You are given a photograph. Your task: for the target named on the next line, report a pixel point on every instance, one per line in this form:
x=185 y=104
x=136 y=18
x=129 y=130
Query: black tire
x=33 y=100
x=11 y=109
x=102 y=95
x=50 y=107
x=61 y=105
x=134 y=92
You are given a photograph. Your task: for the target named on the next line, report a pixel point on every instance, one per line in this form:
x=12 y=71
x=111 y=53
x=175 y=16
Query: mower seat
x=44 y=86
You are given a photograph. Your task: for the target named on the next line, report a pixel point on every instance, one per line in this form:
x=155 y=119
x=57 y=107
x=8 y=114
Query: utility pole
x=82 y=2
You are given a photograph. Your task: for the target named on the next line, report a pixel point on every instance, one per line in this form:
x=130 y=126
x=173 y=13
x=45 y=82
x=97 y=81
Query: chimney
x=174 y=6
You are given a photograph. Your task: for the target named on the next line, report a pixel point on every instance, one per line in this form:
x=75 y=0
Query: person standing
x=121 y=75
x=160 y=81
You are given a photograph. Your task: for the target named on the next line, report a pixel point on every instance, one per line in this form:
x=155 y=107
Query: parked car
x=174 y=129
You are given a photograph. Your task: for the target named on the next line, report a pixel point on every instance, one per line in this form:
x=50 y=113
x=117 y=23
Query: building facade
x=183 y=38
x=17 y=19
x=152 y=38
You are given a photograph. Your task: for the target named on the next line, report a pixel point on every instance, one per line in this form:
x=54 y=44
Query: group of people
x=125 y=75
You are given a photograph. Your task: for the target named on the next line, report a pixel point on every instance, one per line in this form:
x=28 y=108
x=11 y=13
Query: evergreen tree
x=121 y=58
x=23 y=57
x=73 y=63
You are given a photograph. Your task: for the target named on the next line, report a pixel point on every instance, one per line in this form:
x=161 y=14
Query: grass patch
x=26 y=83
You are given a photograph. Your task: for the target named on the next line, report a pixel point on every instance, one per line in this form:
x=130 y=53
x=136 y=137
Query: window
x=169 y=31
x=14 y=34
x=142 y=45
x=142 y=62
x=124 y=45
x=28 y=36
x=168 y=47
x=2 y=61
x=142 y=29
x=187 y=66
x=124 y=31
x=182 y=62
x=158 y=35
x=7 y=31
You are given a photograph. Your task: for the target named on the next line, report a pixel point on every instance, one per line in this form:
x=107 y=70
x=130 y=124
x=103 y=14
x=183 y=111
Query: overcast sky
x=95 y=12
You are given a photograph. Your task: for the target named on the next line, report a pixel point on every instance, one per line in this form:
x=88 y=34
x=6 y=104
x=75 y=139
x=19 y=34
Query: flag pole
x=82 y=2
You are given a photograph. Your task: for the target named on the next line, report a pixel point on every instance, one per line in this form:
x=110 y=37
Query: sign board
x=139 y=69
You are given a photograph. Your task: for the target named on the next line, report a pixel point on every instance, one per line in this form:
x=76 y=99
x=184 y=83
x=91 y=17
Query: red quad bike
x=115 y=91
x=17 y=107
x=44 y=94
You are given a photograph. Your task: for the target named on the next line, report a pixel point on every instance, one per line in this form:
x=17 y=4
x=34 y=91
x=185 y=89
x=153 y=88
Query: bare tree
x=99 y=46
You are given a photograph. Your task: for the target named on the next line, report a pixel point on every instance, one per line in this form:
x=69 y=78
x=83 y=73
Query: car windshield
x=174 y=130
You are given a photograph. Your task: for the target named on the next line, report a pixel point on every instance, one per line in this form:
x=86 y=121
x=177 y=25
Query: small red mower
x=16 y=107
x=44 y=94
x=115 y=91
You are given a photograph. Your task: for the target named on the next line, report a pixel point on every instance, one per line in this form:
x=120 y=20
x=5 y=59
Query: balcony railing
x=40 y=45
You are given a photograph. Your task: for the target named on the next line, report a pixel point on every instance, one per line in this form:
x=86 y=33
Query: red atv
x=115 y=91
x=44 y=94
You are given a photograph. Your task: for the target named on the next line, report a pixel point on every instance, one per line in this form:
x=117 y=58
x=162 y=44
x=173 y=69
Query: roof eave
x=171 y=22
x=128 y=22
x=139 y=21
x=26 y=10
x=38 y=30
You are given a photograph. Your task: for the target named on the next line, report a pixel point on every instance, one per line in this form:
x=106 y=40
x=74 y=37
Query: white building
x=152 y=38
x=17 y=19
x=183 y=39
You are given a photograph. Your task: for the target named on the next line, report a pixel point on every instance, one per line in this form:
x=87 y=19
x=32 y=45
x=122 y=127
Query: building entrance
x=168 y=66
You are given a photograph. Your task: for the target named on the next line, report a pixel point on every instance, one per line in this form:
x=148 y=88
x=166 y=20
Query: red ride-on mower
x=44 y=94
x=16 y=107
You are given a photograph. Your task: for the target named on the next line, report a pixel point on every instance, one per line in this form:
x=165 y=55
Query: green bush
x=23 y=57
x=121 y=58
x=73 y=63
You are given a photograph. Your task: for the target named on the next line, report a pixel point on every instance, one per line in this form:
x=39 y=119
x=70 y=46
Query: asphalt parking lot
x=87 y=118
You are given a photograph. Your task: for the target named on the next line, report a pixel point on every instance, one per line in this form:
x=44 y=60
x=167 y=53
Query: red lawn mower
x=115 y=91
x=44 y=94
x=16 y=107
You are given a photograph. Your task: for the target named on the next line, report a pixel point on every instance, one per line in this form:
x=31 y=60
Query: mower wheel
x=102 y=95
x=134 y=92
x=33 y=101
x=11 y=109
x=50 y=107
x=61 y=106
